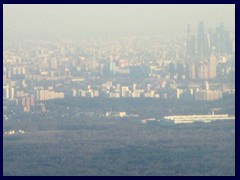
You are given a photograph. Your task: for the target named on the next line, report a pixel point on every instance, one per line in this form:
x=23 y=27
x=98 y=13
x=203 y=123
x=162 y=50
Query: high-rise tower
x=188 y=47
x=190 y=43
x=201 y=40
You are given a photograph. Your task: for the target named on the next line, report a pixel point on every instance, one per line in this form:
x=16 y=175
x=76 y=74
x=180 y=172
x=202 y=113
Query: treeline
x=144 y=106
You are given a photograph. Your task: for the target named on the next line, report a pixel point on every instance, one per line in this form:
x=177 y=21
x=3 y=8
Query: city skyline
x=109 y=90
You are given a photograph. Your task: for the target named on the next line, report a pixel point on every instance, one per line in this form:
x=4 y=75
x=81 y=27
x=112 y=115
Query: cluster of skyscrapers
x=204 y=44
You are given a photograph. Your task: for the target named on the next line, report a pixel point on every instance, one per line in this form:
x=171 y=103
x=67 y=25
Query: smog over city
x=119 y=90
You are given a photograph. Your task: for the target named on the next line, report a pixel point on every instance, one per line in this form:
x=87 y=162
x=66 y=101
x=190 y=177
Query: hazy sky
x=65 y=20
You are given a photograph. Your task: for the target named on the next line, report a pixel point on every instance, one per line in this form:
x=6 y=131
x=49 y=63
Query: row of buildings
x=117 y=91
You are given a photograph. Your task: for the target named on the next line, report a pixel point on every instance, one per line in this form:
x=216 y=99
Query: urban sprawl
x=197 y=65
